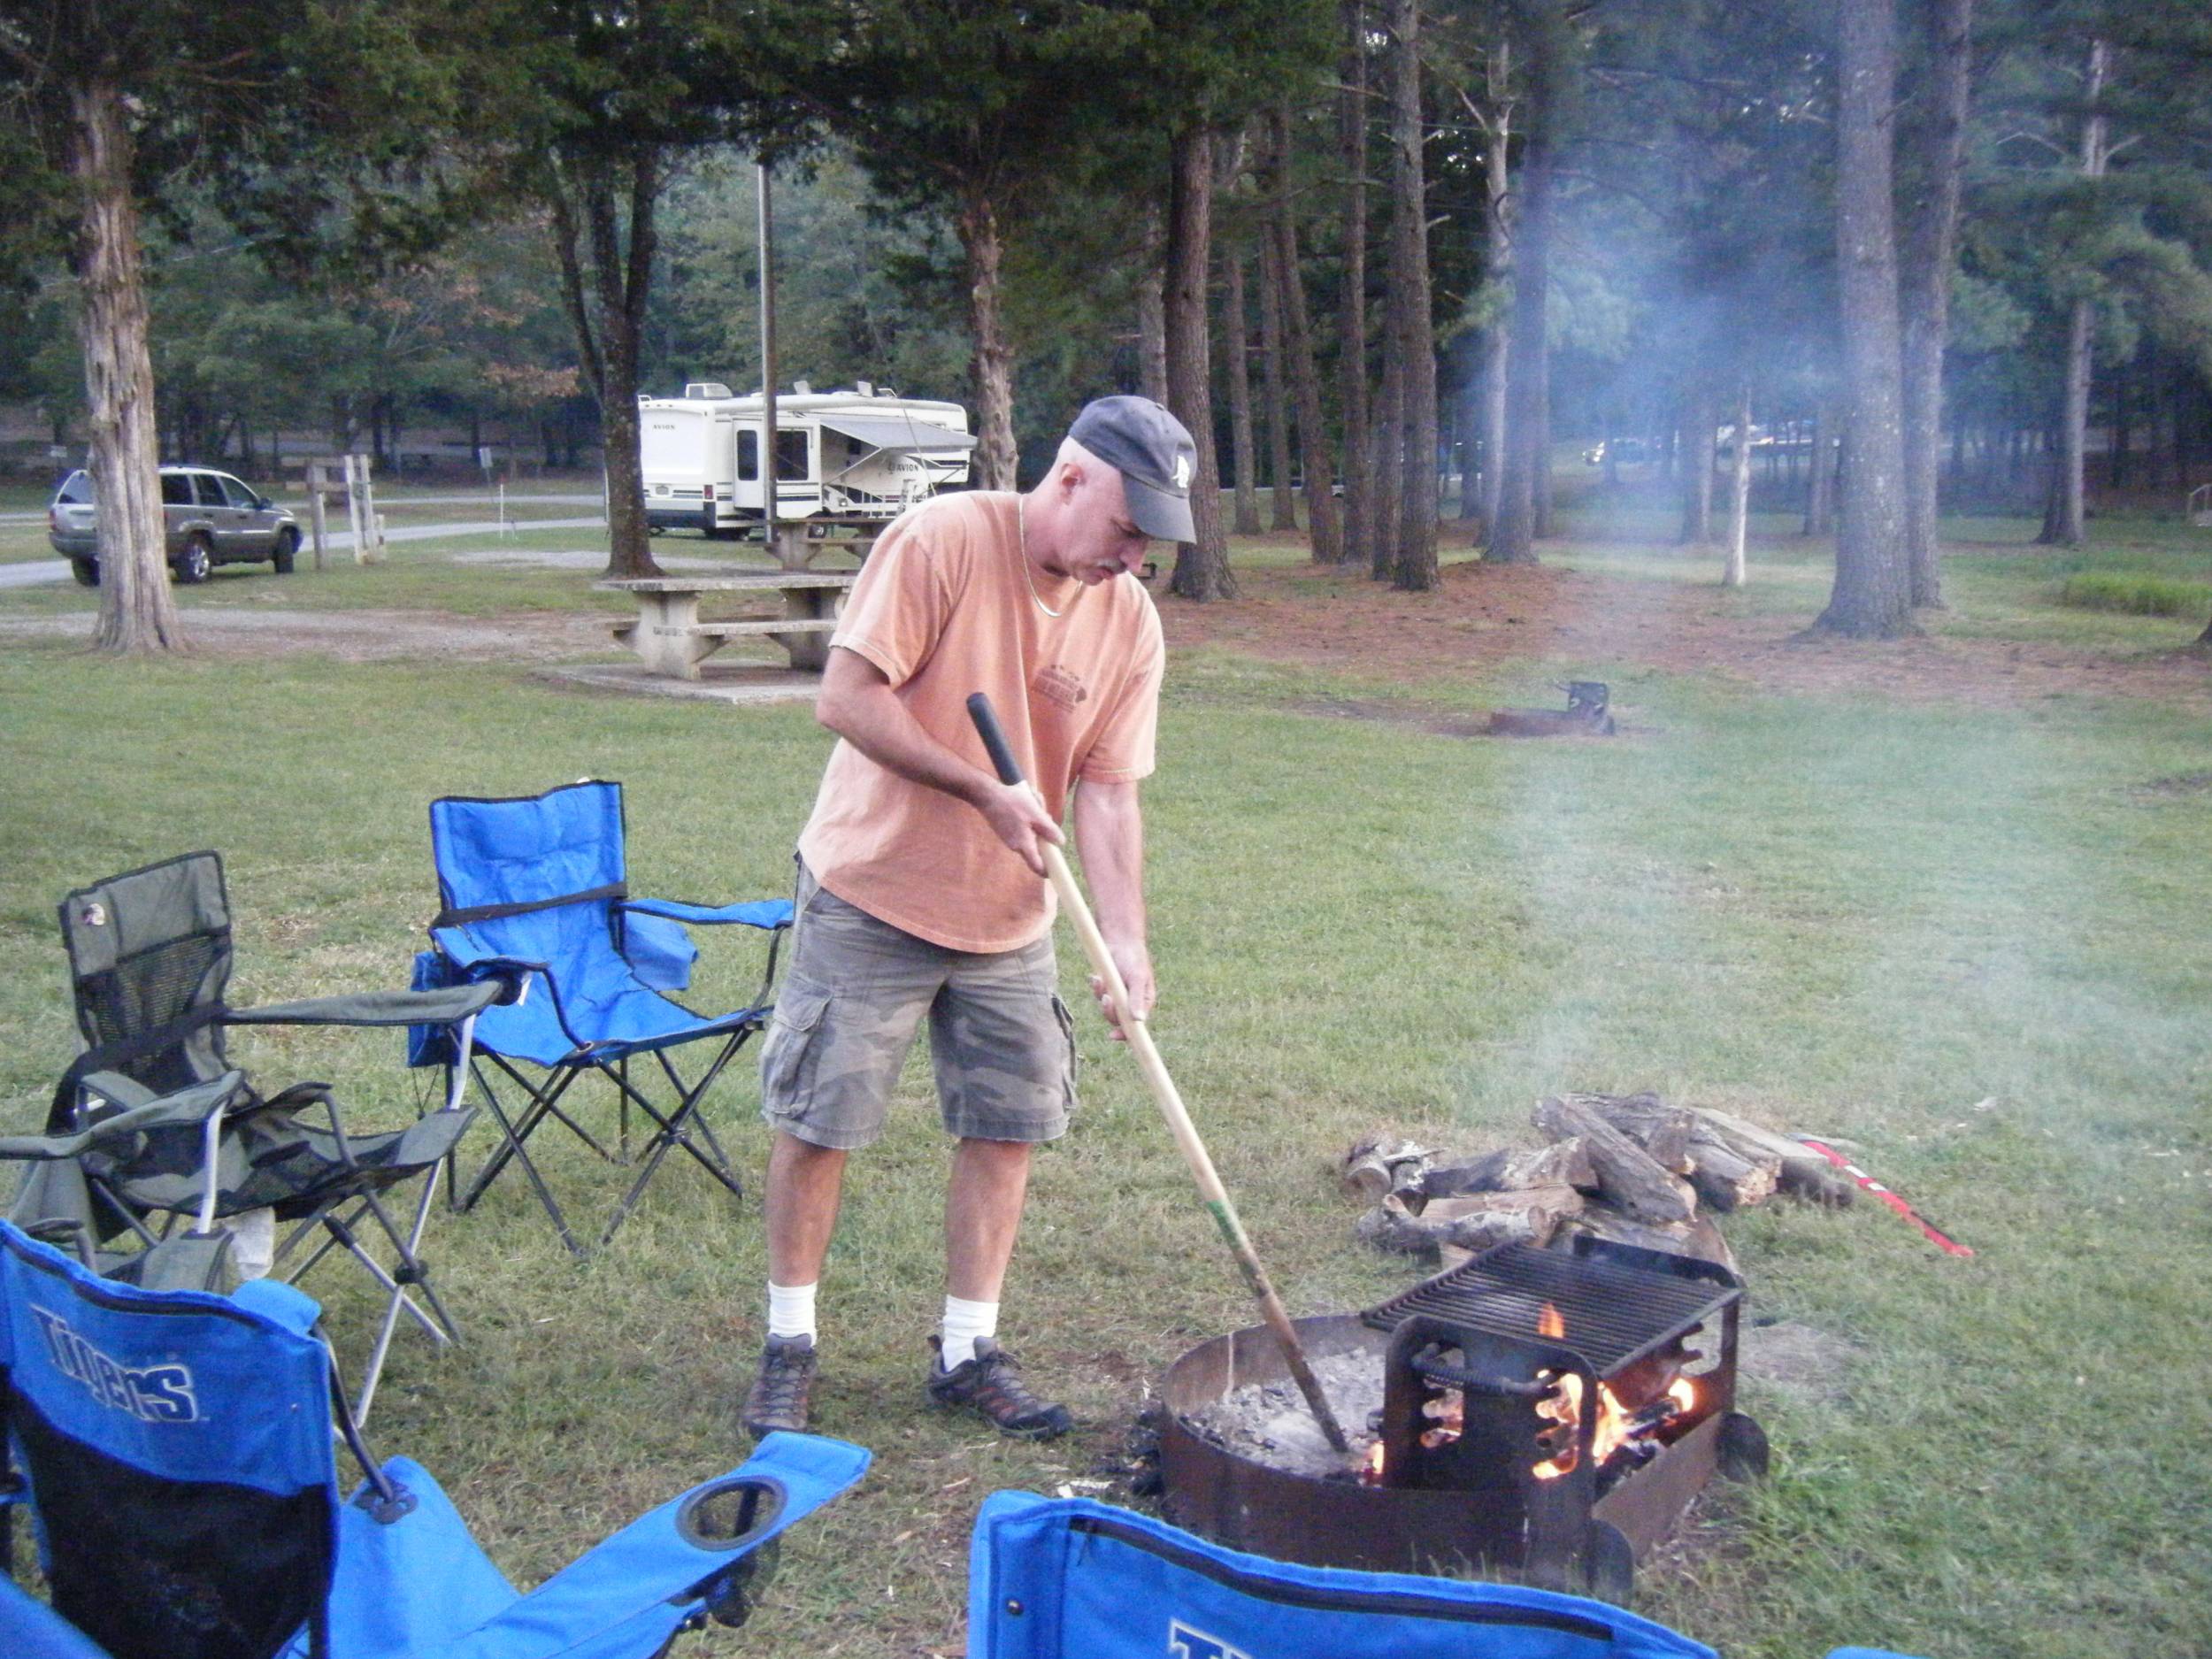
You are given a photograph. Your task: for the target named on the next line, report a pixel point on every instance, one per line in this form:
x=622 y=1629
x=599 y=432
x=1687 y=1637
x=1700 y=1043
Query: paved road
x=33 y=572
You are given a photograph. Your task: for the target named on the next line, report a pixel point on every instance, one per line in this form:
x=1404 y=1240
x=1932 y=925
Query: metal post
x=768 y=469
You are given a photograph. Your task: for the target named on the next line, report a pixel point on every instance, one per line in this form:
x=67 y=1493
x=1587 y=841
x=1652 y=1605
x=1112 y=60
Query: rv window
x=748 y=453
x=791 y=456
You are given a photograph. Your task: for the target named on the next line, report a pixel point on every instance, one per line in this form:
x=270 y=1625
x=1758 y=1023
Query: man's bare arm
x=1110 y=835
x=856 y=701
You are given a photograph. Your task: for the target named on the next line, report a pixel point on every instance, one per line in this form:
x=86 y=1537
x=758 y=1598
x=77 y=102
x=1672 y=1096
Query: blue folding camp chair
x=535 y=886
x=177 y=1458
x=1068 y=1579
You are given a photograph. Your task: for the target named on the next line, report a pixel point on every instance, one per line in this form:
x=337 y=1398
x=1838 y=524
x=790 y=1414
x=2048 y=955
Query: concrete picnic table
x=670 y=638
x=668 y=635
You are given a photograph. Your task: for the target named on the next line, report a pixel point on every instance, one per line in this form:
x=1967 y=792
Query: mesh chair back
x=180 y=1455
x=149 y=955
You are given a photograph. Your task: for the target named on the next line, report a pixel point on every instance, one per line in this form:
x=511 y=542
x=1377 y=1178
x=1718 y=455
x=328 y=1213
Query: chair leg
x=512 y=1146
x=674 y=1131
x=420 y=1276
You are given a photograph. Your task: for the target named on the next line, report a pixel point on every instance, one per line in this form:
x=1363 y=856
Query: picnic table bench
x=671 y=639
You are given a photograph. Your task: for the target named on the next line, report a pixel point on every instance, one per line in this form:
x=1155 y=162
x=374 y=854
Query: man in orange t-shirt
x=921 y=888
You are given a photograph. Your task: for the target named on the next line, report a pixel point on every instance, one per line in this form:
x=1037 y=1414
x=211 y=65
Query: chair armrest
x=29 y=1629
x=448 y=1006
x=186 y=1106
x=655 y=1571
x=761 y=913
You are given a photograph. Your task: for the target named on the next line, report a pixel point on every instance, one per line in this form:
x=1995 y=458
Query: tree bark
x=1513 y=533
x=1820 y=477
x=1386 y=448
x=1237 y=349
x=997 y=456
x=2066 y=522
x=1201 y=567
x=1326 y=528
x=1931 y=236
x=1734 y=574
x=1701 y=454
x=1152 y=374
x=137 y=611
x=1872 y=595
x=1282 y=506
x=1359 y=478
x=606 y=307
x=1498 y=232
x=1414 y=567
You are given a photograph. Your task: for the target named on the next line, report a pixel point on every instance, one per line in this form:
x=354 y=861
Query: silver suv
x=210 y=518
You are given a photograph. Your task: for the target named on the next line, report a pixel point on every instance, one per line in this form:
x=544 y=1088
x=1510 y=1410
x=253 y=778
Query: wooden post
x=317 y=487
x=372 y=523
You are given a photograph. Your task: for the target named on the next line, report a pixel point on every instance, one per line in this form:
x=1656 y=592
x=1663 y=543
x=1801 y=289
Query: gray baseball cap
x=1154 y=456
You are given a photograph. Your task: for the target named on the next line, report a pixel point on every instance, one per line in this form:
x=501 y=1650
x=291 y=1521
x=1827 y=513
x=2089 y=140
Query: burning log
x=1630 y=1178
x=1699 y=1237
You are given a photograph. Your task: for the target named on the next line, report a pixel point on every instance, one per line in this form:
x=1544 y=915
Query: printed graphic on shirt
x=1059 y=685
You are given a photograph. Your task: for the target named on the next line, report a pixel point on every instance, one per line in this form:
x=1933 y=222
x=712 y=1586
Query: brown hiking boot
x=992 y=1383
x=778 y=1396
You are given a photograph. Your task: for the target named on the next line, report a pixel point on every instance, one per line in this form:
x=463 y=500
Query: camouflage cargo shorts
x=1001 y=1041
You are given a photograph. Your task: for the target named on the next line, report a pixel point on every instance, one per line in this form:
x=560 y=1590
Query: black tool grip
x=986 y=727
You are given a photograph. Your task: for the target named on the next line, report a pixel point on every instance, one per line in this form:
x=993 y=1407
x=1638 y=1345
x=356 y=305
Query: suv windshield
x=76 y=487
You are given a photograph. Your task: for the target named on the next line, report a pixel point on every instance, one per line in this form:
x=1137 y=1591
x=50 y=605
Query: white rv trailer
x=860 y=453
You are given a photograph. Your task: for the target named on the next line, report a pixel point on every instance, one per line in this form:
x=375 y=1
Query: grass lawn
x=1966 y=936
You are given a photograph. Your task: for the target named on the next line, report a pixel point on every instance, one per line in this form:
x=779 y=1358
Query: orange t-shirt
x=944 y=609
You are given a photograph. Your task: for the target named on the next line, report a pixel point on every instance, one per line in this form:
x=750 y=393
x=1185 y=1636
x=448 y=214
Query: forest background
x=1386 y=251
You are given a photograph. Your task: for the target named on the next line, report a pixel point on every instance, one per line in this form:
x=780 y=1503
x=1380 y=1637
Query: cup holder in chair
x=736 y=1514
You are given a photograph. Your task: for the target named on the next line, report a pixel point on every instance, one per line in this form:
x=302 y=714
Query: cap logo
x=1182 y=471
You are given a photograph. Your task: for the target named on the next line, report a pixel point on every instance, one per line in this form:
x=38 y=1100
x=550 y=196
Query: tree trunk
x=1152 y=371
x=1514 y=531
x=2066 y=521
x=1313 y=433
x=1872 y=596
x=1540 y=482
x=1497 y=220
x=137 y=611
x=1385 y=449
x=1282 y=507
x=1820 y=477
x=1931 y=235
x=609 y=318
x=1201 y=567
x=1734 y=574
x=1699 y=455
x=1359 y=478
x=1237 y=349
x=995 y=455
x=1414 y=567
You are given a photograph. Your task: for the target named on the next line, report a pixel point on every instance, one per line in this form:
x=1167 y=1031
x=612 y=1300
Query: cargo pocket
x=791 y=1052
x=1066 y=1020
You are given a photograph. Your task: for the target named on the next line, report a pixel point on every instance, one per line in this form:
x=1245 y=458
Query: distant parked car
x=210 y=518
x=1620 y=451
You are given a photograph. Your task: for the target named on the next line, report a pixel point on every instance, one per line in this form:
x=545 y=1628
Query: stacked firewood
x=1626 y=1167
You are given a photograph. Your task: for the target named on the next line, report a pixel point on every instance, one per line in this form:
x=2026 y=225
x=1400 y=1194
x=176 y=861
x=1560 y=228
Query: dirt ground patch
x=1483 y=615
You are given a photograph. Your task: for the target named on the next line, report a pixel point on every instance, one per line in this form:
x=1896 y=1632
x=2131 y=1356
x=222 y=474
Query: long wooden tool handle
x=1163 y=1090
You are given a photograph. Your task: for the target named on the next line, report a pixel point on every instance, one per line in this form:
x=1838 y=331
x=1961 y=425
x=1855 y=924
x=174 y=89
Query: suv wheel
x=88 y=572
x=287 y=544
x=193 y=564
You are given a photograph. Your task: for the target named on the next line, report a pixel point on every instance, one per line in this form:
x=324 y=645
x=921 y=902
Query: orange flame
x=1614 y=1424
x=1549 y=1324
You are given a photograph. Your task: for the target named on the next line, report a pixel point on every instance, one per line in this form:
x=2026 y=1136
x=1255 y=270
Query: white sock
x=790 y=1309
x=964 y=1322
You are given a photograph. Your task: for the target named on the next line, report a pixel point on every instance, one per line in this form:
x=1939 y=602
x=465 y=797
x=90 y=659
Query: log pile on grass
x=1626 y=1167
